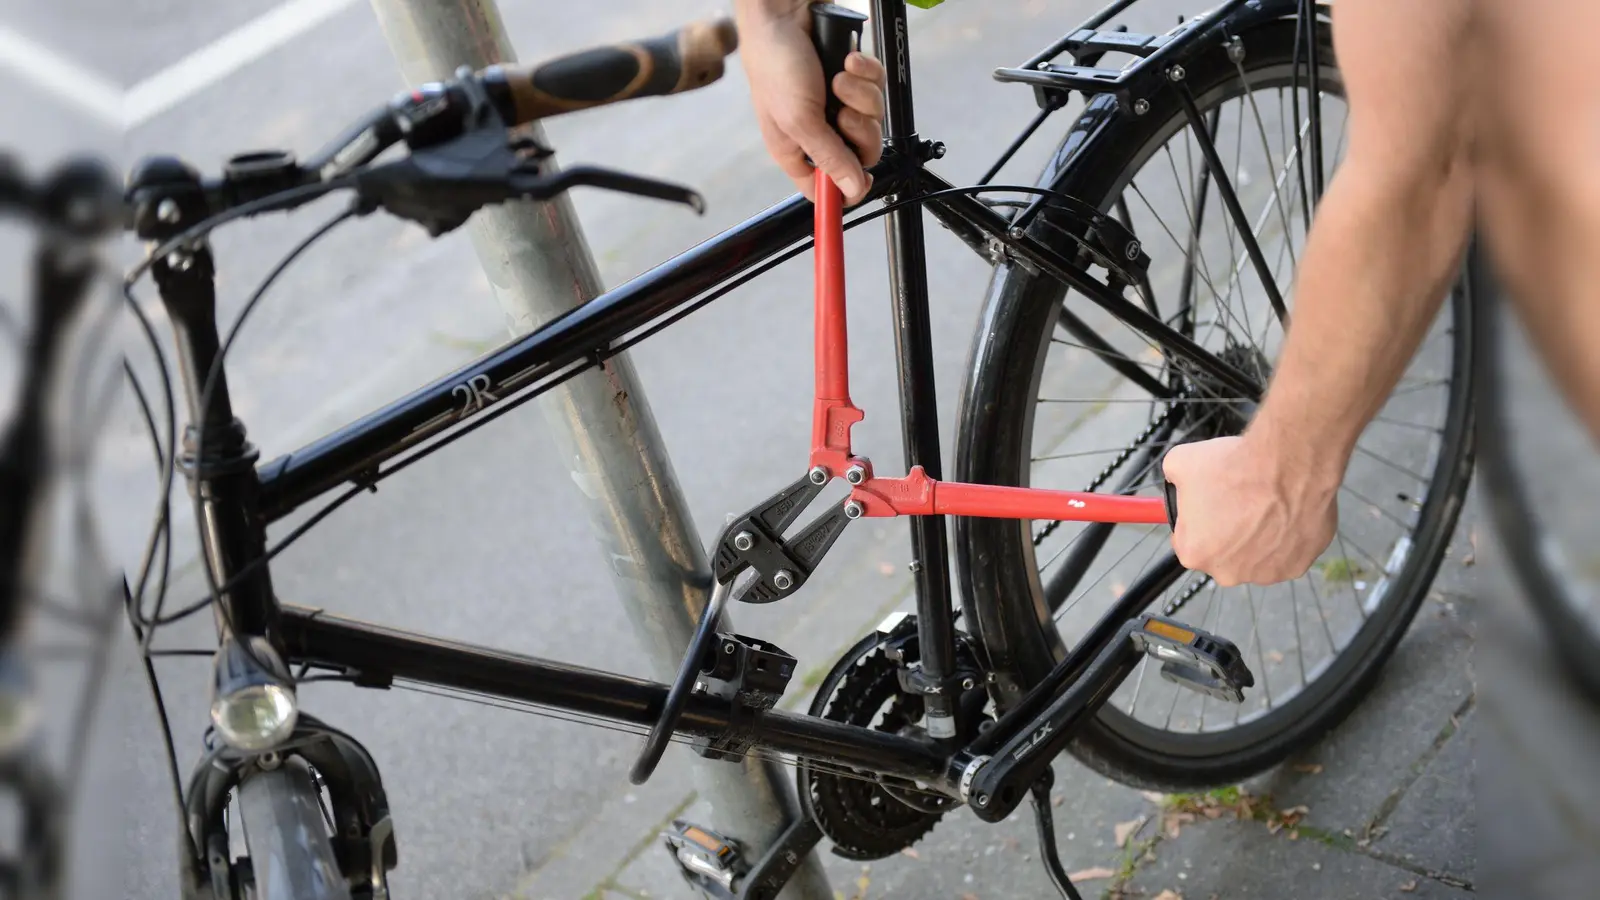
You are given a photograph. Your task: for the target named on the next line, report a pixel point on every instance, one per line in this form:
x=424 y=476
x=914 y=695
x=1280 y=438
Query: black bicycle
x=1113 y=308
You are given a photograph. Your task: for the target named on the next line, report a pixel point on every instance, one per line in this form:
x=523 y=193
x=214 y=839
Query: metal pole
x=539 y=265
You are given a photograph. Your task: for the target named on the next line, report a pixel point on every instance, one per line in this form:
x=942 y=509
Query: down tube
x=382 y=655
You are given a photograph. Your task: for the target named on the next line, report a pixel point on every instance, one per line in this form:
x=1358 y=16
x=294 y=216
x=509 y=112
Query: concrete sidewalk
x=1384 y=807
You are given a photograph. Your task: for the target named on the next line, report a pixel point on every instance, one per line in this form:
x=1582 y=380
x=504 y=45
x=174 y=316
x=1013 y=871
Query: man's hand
x=1250 y=510
x=787 y=91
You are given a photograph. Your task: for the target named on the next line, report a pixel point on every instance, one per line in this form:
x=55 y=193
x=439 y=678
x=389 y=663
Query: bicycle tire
x=1003 y=602
x=1517 y=525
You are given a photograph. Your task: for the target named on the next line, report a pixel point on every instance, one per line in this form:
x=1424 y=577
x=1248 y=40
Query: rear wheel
x=1043 y=408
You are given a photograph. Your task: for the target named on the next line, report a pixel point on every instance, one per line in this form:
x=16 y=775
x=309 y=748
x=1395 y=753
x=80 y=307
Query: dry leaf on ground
x=1093 y=874
x=1125 y=830
x=969 y=897
x=1168 y=894
x=1153 y=796
x=1174 y=823
x=1287 y=818
x=1409 y=886
x=1309 y=768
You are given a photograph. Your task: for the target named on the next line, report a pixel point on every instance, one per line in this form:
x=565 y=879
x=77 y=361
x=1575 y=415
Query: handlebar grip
x=689 y=58
x=835 y=31
x=1170 y=498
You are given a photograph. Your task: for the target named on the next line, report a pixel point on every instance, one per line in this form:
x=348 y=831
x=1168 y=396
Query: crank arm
x=1191 y=658
x=994 y=786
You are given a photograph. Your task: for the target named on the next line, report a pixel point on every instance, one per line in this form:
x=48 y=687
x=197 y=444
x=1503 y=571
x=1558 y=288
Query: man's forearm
x=766 y=10
x=1379 y=260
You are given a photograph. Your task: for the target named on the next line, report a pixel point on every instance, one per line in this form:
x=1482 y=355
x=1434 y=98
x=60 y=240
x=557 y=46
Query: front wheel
x=1062 y=396
x=290 y=854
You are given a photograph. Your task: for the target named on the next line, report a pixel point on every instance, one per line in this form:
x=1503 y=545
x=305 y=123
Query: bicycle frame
x=241 y=499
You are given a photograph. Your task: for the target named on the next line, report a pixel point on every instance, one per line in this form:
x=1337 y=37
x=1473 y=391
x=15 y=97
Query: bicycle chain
x=864 y=818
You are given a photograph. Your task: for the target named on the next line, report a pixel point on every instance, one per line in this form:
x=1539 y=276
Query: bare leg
x=1540 y=176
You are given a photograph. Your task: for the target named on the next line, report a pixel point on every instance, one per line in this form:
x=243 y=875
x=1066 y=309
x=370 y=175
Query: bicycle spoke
x=1119 y=560
x=1391 y=464
x=1204 y=274
x=1144 y=400
x=1261 y=127
x=1190 y=215
x=1299 y=643
x=1419 y=386
x=1255 y=638
x=1104 y=354
x=1213 y=605
x=1232 y=227
x=1240 y=259
x=1081 y=453
x=1350 y=581
x=1373 y=504
x=1433 y=429
x=1138 y=684
x=1378 y=568
x=1231 y=202
x=1322 y=614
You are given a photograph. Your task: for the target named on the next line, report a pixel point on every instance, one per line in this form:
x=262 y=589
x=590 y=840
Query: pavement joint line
x=610 y=881
x=1338 y=841
x=1392 y=801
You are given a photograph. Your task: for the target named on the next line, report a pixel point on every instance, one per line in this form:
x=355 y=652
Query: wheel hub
x=1225 y=414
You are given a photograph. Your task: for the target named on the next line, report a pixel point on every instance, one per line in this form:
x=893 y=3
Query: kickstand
x=1047 y=836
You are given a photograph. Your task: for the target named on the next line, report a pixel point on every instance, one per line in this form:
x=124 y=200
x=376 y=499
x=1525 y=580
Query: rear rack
x=1156 y=54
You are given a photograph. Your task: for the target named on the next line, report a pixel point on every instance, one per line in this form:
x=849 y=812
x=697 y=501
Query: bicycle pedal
x=711 y=863
x=1195 y=659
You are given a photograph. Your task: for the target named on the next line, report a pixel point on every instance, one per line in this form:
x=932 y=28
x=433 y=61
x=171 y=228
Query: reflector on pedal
x=1195 y=659
x=1168 y=630
x=708 y=861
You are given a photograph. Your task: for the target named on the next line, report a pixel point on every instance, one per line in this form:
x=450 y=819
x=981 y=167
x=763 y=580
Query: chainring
x=864 y=817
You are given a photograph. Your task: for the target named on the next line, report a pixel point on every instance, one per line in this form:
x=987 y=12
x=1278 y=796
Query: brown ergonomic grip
x=688 y=58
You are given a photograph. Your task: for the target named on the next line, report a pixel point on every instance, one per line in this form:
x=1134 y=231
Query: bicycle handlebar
x=691 y=57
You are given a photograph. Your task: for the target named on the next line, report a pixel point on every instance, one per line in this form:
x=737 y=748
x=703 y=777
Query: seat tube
x=919 y=411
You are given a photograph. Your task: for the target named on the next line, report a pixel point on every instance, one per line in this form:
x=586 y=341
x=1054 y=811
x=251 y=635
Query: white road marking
x=97 y=95
x=221 y=58
x=61 y=77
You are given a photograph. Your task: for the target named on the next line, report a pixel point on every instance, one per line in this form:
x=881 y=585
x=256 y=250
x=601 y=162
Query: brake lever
x=621 y=182
x=441 y=186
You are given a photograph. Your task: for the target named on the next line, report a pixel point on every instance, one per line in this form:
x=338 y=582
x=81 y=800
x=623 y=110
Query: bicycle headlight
x=253 y=706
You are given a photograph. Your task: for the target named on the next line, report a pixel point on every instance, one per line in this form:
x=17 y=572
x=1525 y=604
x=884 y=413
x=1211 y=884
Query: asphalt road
x=482 y=542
